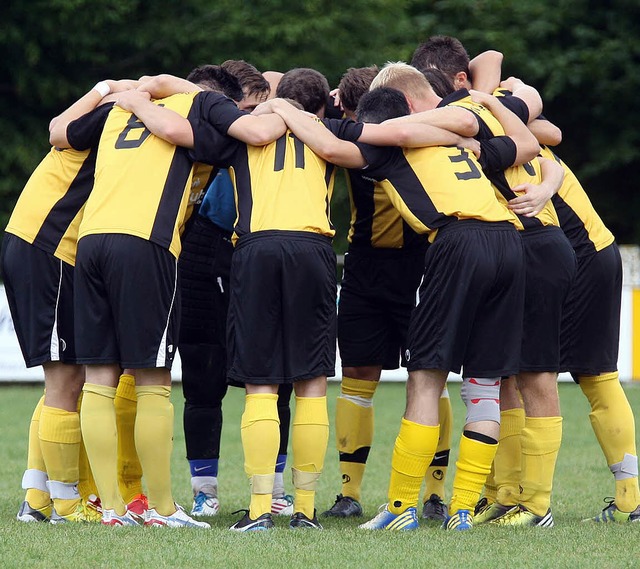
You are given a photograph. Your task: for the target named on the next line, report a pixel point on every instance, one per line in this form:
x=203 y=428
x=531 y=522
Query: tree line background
x=582 y=55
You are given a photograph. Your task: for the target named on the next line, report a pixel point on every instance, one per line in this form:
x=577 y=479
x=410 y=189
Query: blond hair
x=403 y=77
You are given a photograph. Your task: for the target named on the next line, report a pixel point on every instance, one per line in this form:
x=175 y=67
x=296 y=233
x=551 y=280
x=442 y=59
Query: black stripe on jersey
x=299 y=153
x=172 y=194
x=362 y=195
x=573 y=228
x=416 y=197
x=243 y=187
x=281 y=146
x=67 y=207
x=327 y=180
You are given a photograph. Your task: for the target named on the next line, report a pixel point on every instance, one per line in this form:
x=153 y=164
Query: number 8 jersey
x=143 y=184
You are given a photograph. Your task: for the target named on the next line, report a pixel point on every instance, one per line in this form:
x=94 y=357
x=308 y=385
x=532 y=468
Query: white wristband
x=103 y=88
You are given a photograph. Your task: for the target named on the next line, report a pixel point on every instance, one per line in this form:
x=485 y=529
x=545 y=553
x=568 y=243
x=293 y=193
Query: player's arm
x=526 y=144
x=165 y=85
x=162 y=122
x=318 y=137
x=409 y=135
x=546 y=132
x=526 y=93
x=99 y=94
x=535 y=196
x=456 y=119
x=486 y=69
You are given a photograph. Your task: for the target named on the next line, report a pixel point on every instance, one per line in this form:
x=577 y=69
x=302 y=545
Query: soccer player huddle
x=194 y=215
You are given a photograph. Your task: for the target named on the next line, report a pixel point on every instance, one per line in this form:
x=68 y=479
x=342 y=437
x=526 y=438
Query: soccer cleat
x=205 y=505
x=344 y=507
x=299 y=520
x=611 y=514
x=282 y=506
x=28 y=514
x=179 y=519
x=434 y=509
x=520 y=516
x=405 y=521
x=110 y=518
x=83 y=513
x=485 y=512
x=460 y=521
x=263 y=523
x=137 y=507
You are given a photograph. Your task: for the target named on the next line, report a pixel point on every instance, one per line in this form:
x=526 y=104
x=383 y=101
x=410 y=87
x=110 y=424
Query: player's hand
x=510 y=83
x=532 y=200
x=485 y=99
x=127 y=100
x=122 y=85
x=335 y=93
x=471 y=144
x=165 y=85
x=264 y=108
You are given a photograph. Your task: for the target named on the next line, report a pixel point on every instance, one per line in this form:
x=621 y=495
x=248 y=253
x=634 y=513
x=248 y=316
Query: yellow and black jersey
x=530 y=173
x=143 y=184
x=280 y=186
x=578 y=218
x=49 y=209
x=375 y=223
x=490 y=127
x=434 y=186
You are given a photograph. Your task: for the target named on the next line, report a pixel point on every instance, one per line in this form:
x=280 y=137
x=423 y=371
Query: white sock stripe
x=361 y=401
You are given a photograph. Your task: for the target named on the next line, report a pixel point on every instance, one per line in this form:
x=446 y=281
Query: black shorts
x=590 y=331
x=282 y=312
x=126 y=302
x=377 y=295
x=39 y=289
x=550 y=267
x=471 y=302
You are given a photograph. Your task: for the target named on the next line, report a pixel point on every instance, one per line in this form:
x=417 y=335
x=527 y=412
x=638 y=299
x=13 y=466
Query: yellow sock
x=98 y=420
x=437 y=471
x=154 y=444
x=129 y=467
x=613 y=423
x=309 y=438
x=354 y=432
x=34 y=481
x=260 y=431
x=86 y=483
x=541 y=438
x=472 y=467
x=412 y=453
x=507 y=464
x=60 y=443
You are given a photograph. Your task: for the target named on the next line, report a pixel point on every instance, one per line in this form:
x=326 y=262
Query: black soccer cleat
x=264 y=522
x=344 y=507
x=299 y=520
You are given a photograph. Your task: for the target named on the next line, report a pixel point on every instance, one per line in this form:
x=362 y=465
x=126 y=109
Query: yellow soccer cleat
x=519 y=516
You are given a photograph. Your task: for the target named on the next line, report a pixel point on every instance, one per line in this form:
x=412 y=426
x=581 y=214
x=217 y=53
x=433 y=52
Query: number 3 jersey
x=435 y=186
x=143 y=184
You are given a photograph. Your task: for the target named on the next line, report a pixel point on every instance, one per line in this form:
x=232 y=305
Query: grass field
x=582 y=480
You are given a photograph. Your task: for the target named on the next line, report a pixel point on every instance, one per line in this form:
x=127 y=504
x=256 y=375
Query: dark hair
x=444 y=53
x=380 y=104
x=251 y=80
x=355 y=83
x=440 y=83
x=307 y=86
x=215 y=78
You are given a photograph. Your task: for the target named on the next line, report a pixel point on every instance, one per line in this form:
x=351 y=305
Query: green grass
x=582 y=480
